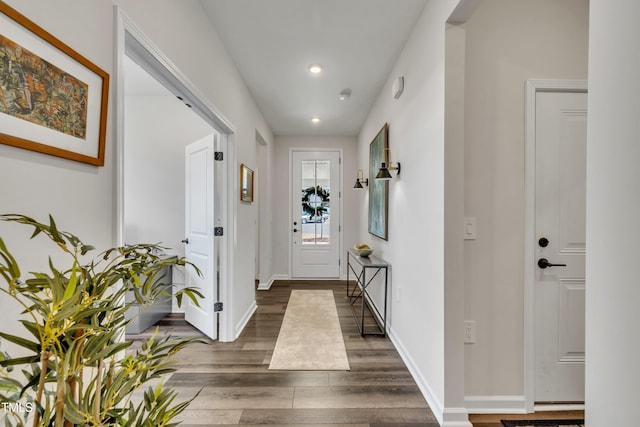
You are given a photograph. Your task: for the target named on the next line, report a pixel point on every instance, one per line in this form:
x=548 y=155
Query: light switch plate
x=469 y=228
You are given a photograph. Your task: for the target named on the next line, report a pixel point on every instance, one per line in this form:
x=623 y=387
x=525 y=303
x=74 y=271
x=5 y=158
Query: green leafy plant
x=74 y=372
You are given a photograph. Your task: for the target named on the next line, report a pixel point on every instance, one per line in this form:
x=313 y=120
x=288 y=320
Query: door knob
x=295 y=230
x=544 y=263
x=186 y=241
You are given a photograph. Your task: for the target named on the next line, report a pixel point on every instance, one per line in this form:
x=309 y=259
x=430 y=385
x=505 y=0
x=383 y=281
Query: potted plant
x=73 y=371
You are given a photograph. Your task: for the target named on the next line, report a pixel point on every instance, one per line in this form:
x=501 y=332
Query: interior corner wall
x=454 y=216
x=507 y=42
x=265 y=215
x=281 y=183
x=81 y=197
x=613 y=209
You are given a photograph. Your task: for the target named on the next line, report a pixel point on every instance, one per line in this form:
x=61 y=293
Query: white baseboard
x=266 y=286
x=559 y=407
x=456 y=417
x=425 y=389
x=244 y=320
x=495 y=404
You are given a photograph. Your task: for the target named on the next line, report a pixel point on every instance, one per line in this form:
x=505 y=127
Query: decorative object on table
x=378 y=189
x=545 y=423
x=52 y=99
x=71 y=346
x=246 y=184
x=363 y=249
x=360 y=179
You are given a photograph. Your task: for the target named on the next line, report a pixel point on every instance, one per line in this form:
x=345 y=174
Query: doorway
x=315 y=214
x=133 y=44
x=555 y=243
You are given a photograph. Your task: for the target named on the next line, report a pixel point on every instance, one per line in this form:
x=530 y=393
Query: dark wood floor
x=238 y=388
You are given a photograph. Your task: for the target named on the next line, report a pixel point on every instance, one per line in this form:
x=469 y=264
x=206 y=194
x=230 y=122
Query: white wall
x=453 y=218
x=613 y=207
x=507 y=42
x=280 y=204
x=264 y=190
x=416 y=202
x=54 y=185
x=157 y=130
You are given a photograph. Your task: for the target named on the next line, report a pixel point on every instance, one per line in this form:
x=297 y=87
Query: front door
x=199 y=231
x=315 y=214
x=560 y=248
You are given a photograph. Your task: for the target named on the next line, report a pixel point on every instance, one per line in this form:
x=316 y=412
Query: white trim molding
x=456 y=417
x=532 y=87
x=495 y=404
x=267 y=286
x=244 y=320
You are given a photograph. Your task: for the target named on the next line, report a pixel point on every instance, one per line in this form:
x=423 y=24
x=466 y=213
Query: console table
x=359 y=266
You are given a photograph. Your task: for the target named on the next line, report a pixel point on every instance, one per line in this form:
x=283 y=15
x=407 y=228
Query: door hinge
x=339 y=228
x=218 y=156
x=218 y=231
x=217 y=307
x=339 y=261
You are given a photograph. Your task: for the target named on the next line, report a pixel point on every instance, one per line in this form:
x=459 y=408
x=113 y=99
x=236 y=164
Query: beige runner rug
x=310 y=336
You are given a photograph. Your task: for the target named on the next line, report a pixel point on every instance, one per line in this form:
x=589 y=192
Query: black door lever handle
x=544 y=263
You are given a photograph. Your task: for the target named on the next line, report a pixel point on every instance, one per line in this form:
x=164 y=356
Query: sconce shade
x=360 y=179
x=386 y=166
x=383 y=173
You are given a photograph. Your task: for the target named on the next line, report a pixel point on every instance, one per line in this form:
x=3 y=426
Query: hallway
x=238 y=388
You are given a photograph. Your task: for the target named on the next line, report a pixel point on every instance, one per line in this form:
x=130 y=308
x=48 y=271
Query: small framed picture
x=246 y=184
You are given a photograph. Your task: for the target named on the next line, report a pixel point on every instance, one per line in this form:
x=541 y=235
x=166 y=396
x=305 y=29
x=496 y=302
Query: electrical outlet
x=469 y=331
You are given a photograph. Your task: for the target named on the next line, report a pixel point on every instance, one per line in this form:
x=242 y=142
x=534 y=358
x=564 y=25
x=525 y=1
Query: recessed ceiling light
x=315 y=120
x=315 y=68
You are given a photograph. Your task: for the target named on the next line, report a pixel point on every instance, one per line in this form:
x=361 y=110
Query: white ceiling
x=273 y=42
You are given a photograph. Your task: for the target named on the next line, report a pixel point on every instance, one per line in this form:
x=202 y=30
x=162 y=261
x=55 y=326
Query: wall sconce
x=360 y=179
x=383 y=173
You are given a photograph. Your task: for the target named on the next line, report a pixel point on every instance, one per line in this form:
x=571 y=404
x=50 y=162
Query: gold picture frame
x=246 y=183
x=53 y=100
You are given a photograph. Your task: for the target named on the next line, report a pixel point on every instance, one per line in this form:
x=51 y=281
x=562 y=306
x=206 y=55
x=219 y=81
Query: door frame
x=290 y=218
x=131 y=41
x=532 y=88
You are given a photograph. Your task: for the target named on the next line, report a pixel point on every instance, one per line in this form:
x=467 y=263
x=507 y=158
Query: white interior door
x=199 y=231
x=315 y=214
x=560 y=198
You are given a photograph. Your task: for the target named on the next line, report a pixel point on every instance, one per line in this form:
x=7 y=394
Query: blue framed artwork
x=378 y=189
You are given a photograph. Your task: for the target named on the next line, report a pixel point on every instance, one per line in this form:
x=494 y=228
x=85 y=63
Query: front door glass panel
x=316 y=202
